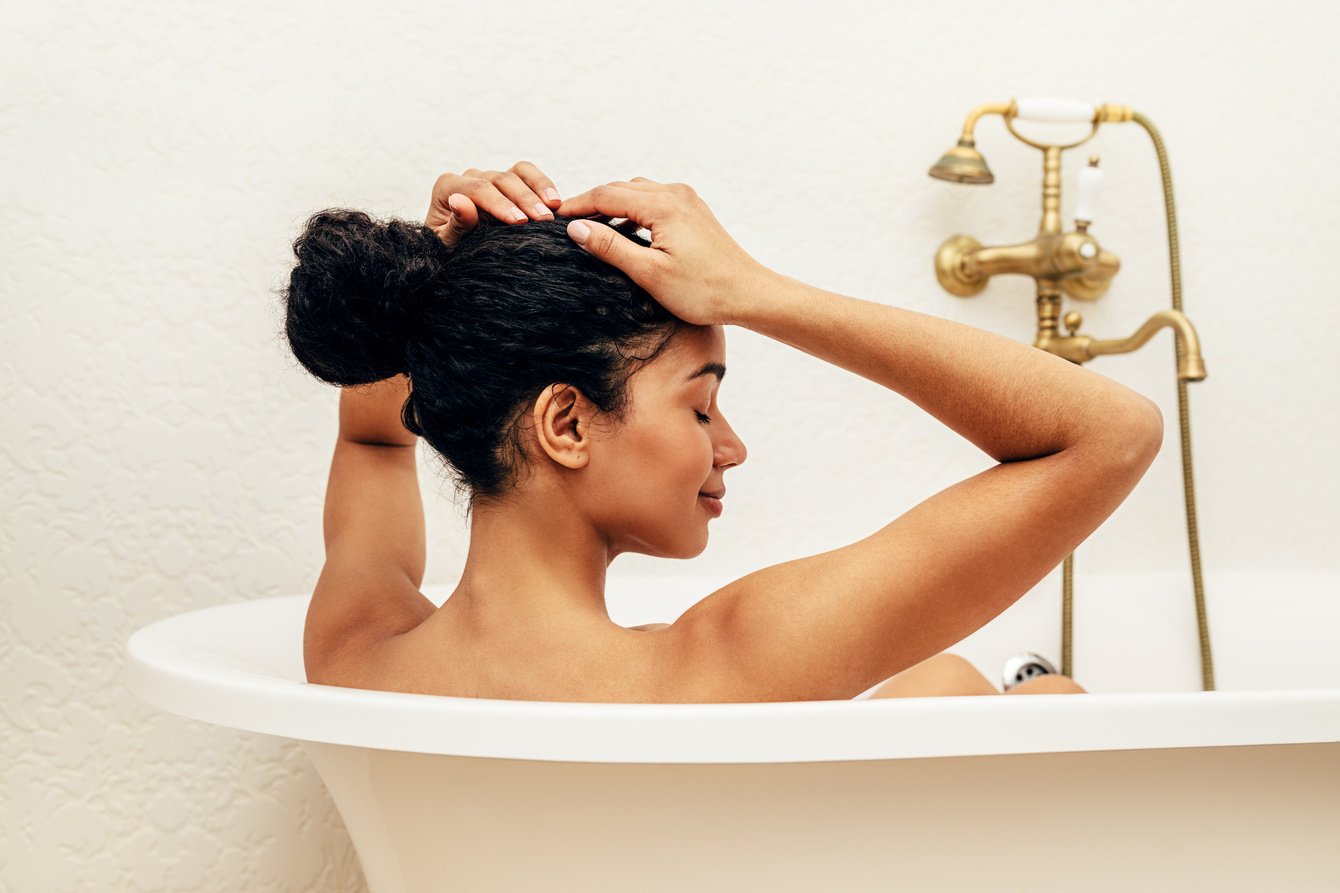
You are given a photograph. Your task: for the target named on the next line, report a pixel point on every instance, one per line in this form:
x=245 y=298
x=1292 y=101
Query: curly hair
x=480 y=328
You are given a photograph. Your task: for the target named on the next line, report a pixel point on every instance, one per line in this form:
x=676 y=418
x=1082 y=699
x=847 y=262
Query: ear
x=562 y=420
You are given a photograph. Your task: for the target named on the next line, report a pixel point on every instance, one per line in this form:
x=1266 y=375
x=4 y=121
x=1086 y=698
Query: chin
x=681 y=549
x=688 y=540
x=690 y=548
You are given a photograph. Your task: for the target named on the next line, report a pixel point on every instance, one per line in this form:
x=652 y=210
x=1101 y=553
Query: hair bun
x=357 y=288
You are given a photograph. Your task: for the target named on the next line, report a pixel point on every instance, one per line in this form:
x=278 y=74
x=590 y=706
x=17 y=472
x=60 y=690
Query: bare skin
x=527 y=618
x=1070 y=445
x=949 y=674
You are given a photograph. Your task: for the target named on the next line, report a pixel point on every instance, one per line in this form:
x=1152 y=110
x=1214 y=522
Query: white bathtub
x=1147 y=783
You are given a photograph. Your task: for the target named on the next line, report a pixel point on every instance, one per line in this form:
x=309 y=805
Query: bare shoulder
x=821 y=627
x=831 y=625
x=789 y=632
x=709 y=653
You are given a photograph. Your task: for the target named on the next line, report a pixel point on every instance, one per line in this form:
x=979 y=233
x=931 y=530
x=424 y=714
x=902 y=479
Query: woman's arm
x=376 y=551
x=373 y=520
x=1070 y=445
x=374 y=511
x=1011 y=400
x=371 y=414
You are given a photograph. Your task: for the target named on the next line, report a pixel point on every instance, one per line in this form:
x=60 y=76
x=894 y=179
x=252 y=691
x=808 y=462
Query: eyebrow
x=714 y=368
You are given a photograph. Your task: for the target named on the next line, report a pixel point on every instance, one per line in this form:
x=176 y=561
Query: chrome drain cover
x=1025 y=666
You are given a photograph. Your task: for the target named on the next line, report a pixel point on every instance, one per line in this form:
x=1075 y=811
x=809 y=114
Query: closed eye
x=705 y=419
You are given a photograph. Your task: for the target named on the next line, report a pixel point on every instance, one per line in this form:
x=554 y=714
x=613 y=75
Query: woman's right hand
x=501 y=193
x=693 y=268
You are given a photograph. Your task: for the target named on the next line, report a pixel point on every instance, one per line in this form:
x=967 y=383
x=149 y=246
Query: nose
x=730 y=449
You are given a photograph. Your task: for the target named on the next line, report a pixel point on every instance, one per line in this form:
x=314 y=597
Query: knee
x=1051 y=684
x=943 y=674
x=952 y=664
x=958 y=675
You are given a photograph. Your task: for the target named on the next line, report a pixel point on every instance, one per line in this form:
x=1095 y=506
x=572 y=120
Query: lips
x=712 y=503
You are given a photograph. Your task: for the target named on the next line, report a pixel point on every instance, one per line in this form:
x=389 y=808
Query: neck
x=535 y=569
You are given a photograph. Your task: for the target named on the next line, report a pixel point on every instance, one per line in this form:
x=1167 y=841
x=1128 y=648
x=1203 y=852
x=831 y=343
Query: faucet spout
x=1191 y=367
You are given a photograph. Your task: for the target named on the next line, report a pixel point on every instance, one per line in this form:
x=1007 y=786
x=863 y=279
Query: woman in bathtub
x=569 y=373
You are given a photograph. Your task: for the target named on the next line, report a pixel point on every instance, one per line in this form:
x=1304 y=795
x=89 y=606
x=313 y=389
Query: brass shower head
x=963 y=164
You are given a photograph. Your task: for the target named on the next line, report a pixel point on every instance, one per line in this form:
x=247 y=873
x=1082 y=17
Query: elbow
x=1139 y=434
x=1154 y=425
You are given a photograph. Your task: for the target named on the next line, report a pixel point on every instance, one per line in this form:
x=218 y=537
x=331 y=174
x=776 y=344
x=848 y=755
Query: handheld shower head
x=962 y=164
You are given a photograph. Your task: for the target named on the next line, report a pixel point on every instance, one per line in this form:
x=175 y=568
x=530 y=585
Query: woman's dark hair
x=480 y=327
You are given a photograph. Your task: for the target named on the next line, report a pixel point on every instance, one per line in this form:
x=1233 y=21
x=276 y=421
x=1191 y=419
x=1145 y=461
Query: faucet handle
x=1039 y=109
x=1073 y=321
x=1086 y=193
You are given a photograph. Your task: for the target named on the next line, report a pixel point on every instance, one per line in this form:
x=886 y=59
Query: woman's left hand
x=516 y=195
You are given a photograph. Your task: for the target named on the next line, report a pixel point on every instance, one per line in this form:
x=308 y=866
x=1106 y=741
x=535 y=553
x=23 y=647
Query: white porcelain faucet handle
x=1037 y=109
x=1086 y=191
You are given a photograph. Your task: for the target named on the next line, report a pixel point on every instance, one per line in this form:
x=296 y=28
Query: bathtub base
x=1246 y=818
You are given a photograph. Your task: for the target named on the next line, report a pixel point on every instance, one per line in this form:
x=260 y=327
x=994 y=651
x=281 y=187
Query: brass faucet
x=1069 y=262
x=1074 y=263
x=1078 y=348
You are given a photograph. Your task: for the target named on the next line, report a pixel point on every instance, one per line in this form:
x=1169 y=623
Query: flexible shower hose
x=1184 y=419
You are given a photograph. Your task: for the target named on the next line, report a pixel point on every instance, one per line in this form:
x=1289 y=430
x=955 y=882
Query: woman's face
x=643 y=483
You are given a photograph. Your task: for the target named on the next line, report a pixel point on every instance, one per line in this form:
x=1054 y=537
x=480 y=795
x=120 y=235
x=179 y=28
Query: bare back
x=439 y=657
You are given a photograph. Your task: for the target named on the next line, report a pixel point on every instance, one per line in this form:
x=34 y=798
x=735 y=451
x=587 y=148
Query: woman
x=568 y=372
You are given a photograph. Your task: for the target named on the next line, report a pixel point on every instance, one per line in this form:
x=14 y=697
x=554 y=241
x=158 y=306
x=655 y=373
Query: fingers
x=501 y=194
x=630 y=227
x=638 y=262
x=512 y=196
x=519 y=193
x=537 y=181
x=462 y=218
x=453 y=209
x=618 y=200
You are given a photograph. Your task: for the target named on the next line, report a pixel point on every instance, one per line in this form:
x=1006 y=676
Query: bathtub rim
x=181 y=664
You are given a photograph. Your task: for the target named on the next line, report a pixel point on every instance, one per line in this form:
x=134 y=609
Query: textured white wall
x=161 y=452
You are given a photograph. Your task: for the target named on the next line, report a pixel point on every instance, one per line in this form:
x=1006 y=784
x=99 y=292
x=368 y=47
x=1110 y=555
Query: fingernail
x=542 y=211
x=579 y=231
x=518 y=215
x=552 y=194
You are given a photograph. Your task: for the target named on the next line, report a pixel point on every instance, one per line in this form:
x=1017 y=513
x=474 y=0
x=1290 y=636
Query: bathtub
x=1146 y=783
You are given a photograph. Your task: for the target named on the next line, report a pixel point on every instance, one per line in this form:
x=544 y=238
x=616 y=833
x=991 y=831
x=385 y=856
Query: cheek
x=680 y=456
x=695 y=439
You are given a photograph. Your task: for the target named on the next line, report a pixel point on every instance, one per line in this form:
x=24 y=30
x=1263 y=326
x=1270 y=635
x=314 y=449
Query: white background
x=161 y=451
